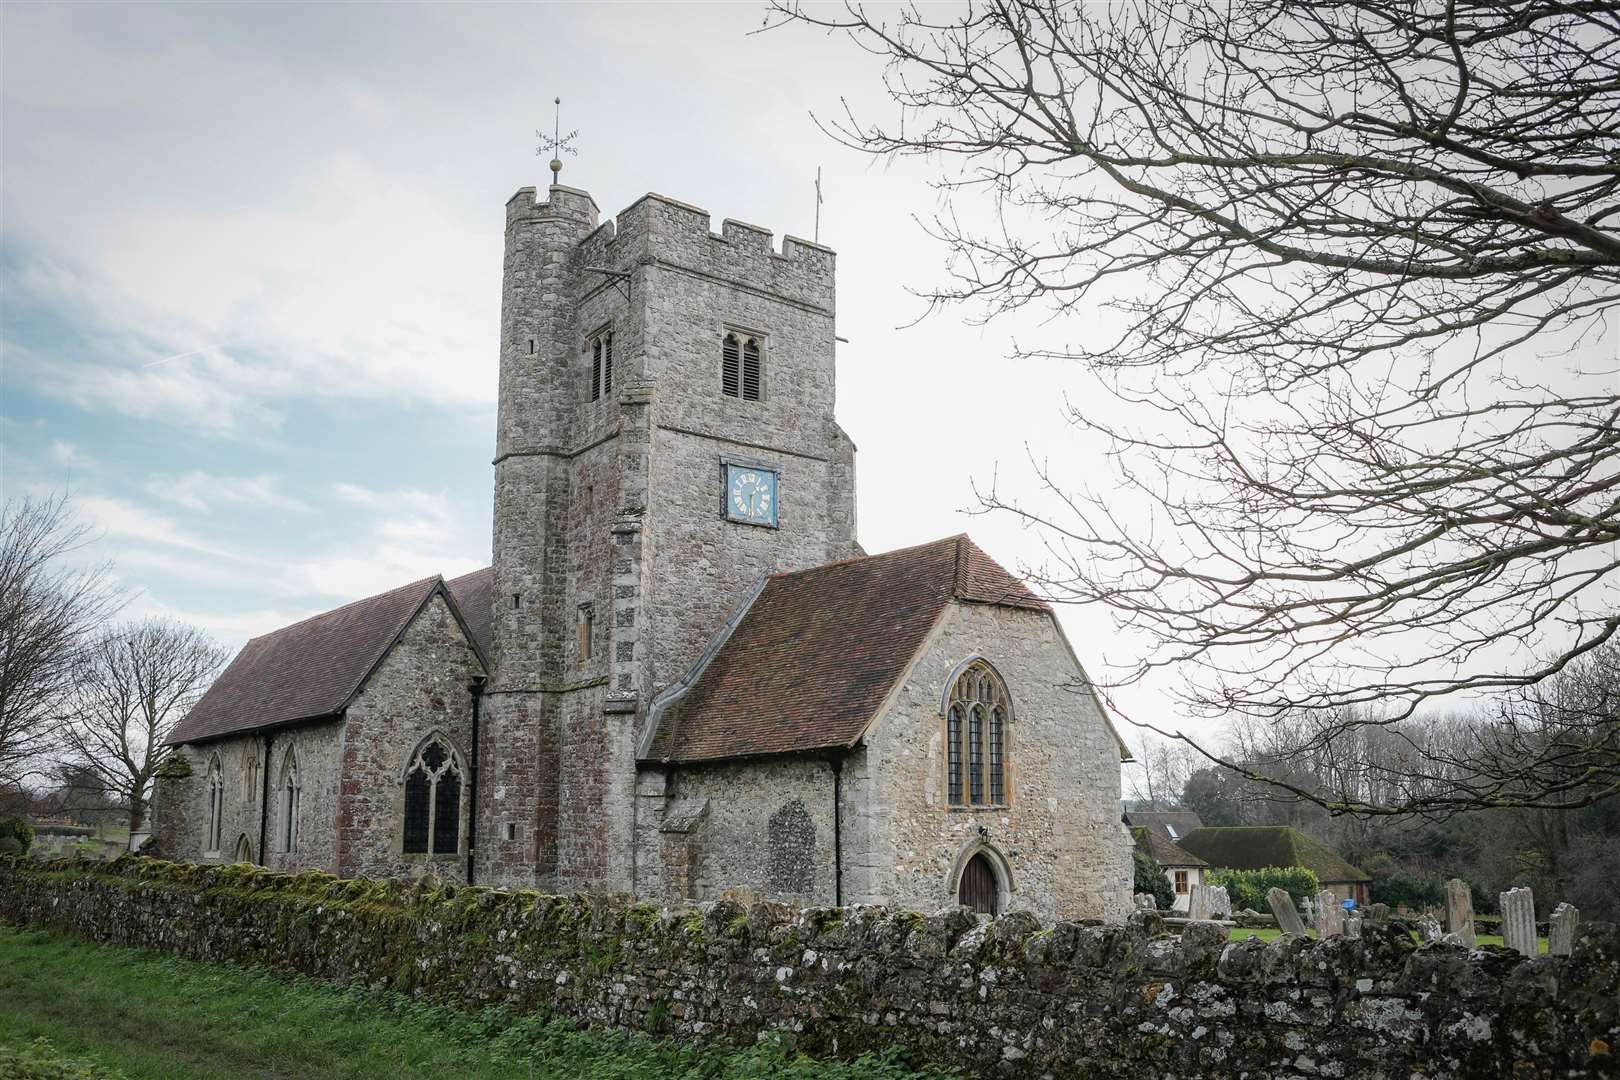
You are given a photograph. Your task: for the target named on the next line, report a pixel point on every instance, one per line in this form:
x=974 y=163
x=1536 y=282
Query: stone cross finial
x=1460 y=911
x=556 y=143
x=1519 y=920
x=1561 y=927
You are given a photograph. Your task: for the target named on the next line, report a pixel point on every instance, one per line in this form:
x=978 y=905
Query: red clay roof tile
x=818 y=650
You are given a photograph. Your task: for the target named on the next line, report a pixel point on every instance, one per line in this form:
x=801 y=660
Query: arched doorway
x=978 y=890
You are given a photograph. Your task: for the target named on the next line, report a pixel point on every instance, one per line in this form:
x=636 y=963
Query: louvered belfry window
x=741 y=366
x=976 y=737
x=433 y=801
x=601 y=365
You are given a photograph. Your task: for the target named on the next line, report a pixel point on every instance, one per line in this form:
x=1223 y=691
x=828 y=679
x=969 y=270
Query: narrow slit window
x=586 y=630
x=976 y=755
x=607 y=363
x=596 y=370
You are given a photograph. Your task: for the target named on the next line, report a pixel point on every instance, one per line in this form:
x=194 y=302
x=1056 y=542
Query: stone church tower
x=665 y=439
x=681 y=676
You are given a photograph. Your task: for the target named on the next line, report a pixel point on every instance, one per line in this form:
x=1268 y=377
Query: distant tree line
x=86 y=701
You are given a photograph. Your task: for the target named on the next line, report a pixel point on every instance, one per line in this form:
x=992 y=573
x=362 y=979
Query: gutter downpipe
x=837 y=766
x=264 y=803
x=477 y=689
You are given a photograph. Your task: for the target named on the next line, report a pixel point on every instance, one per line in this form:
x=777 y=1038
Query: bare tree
x=131 y=686
x=48 y=609
x=1360 y=250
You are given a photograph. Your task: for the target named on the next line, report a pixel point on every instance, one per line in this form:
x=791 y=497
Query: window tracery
x=433 y=800
x=976 y=738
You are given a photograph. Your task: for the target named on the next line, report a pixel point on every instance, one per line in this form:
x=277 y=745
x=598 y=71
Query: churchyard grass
x=110 y=1013
x=1237 y=934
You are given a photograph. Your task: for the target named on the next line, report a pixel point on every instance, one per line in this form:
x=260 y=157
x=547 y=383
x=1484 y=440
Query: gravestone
x=1282 y=906
x=1220 y=905
x=1460 y=911
x=1329 y=915
x=1377 y=913
x=1198 y=906
x=1429 y=927
x=1519 y=920
x=1352 y=925
x=1561 y=927
x=1145 y=902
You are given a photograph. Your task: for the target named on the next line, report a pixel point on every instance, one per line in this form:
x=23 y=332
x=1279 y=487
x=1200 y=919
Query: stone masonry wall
x=423 y=686
x=1059 y=834
x=1001 y=998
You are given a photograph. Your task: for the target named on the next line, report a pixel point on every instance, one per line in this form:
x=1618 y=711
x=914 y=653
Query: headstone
x=1220 y=905
x=1352 y=925
x=1519 y=920
x=1460 y=911
x=1429 y=927
x=1561 y=927
x=1377 y=913
x=1198 y=902
x=1329 y=915
x=1282 y=906
x=1145 y=902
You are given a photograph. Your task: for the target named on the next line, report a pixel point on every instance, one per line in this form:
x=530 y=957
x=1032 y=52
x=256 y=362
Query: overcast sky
x=251 y=271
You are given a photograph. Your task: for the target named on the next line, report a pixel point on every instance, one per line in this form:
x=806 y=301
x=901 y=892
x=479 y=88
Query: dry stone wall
x=1001 y=998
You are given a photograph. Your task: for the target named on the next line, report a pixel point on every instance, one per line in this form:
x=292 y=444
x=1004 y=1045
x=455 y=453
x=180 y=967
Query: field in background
x=139 y=1015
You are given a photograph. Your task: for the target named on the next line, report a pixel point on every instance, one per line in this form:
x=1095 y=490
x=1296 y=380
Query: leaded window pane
x=446 y=813
x=418 y=790
x=953 y=764
x=976 y=754
x=997 y=779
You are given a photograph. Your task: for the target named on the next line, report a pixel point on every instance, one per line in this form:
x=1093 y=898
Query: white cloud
x=118 y=519
x=69 y=454
x=201 y=491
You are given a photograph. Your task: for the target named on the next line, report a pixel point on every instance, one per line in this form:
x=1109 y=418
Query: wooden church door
x=978 y=888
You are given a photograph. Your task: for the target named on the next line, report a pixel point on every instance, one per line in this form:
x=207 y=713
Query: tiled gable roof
x=814 y=655
x=1170 y=824
x=474 y=599
x=315 y=667
x=1167 y=853
x=1252 y=847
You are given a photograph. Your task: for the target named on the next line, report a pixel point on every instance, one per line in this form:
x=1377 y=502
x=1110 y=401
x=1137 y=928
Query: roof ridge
x=865 y=558
x=350 y=604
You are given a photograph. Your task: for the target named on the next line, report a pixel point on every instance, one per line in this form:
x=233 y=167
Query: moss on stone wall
x=1004 y=997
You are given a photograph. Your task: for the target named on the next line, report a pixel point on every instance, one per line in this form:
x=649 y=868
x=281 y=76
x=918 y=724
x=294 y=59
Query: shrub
x=1150 y=879
x=18 y=829
x=1248 y=888
x=1404 y=888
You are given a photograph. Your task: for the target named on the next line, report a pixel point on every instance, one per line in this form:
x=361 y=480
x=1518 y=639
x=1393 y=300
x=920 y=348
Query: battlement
x=562 y=203
x=657 y=228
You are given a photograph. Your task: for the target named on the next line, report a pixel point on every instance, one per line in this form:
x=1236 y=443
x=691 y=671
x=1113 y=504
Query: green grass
x=138 y=1014
x=1236 y=934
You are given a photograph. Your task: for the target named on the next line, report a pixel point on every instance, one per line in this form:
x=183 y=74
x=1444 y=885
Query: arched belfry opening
x=979 y=891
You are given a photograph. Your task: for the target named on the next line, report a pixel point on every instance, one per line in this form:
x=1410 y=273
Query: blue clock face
x=751 y=494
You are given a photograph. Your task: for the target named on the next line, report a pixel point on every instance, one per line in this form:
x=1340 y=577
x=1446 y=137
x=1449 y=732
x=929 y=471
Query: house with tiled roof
x=681 y=675
x=1254 y=847
x=1182 y=869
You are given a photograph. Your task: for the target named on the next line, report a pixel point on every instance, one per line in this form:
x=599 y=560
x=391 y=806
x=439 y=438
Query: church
x=681 y=675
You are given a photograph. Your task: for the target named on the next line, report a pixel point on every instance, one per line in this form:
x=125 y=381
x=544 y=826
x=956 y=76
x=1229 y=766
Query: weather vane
x=556 y=143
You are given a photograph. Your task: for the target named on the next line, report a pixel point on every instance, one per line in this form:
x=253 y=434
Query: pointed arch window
x=216 y=801
x=290 y=793
x=976 y=718
x=602 y=365
x=741 y=366
x=433 y=800
x=244 y=849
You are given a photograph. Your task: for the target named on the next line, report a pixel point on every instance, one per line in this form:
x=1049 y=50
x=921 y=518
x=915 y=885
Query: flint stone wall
x=999 y=998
